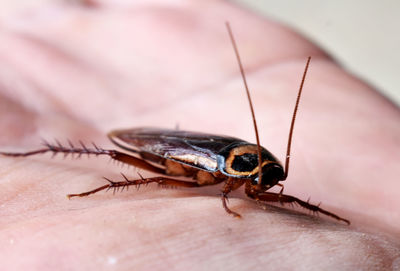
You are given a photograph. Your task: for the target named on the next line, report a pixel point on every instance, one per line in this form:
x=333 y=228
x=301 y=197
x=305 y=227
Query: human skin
x=75 y=72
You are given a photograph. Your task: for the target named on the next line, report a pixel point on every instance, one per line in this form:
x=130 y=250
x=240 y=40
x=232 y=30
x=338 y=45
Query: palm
x=148 y=73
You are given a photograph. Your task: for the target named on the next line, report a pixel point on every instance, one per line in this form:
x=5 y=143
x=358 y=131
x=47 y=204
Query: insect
x=207 y=159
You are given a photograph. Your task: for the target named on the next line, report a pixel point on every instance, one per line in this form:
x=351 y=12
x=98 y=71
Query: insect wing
x=199 y=150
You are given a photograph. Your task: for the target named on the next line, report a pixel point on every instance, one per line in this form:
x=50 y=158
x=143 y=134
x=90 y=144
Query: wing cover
x=191 y=148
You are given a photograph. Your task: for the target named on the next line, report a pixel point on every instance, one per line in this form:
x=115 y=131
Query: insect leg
x=126 y=183
x=224 y=199
x=280 y=191
x=71 y=150
x=282 y=198
x=230 y=185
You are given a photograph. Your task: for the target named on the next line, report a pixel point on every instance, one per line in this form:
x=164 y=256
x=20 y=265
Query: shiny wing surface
x=191 y=148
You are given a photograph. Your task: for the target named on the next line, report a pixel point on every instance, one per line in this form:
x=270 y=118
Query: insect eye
x=245 y=162
x=271 y=175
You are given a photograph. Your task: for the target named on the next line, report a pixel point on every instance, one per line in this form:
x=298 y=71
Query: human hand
x=76 y=73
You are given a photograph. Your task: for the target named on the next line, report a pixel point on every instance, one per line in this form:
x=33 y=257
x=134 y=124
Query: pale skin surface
x=76 y=73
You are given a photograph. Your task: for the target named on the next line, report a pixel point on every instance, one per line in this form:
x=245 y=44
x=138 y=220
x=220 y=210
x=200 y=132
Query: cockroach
x=206 y=158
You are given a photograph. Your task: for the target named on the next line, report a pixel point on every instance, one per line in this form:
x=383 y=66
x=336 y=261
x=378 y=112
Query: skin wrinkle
x=48 y=49
x=9 y=105
x=309 y=165
x=190 y=226
x=54 y=103
x=68 y=57
x=196 y=93
x=213 y=86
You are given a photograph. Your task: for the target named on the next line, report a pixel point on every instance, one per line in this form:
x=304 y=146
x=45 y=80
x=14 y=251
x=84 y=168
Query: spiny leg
x=71 y=150
x=282 y=198
x=126 y=183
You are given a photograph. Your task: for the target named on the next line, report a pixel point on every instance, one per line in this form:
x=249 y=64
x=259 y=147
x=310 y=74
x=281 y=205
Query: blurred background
x=362 y=35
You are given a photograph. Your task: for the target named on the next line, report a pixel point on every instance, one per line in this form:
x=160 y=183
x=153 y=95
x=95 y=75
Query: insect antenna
x=248 y=98
x=289 y=145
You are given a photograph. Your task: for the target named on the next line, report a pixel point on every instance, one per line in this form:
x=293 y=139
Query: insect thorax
x=240 y=160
